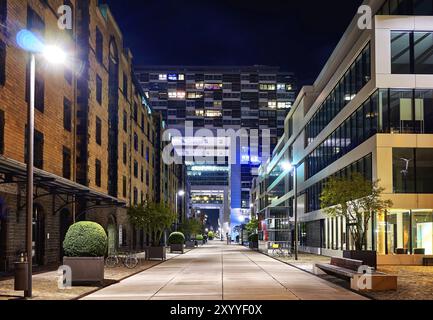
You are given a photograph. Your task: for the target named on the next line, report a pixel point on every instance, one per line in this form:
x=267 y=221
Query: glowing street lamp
x=29 y=42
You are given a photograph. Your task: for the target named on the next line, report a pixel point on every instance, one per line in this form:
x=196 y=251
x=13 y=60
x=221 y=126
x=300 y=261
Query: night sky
x=298 y=36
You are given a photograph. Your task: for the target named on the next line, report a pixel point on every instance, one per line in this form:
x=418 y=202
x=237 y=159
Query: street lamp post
x=30 y=160
x=290 y=167
x=32 y=44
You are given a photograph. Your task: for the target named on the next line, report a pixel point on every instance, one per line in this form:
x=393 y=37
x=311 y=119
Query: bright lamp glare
x=181 y=193
x=54 y=55
x=28 y=41
x=287 y=166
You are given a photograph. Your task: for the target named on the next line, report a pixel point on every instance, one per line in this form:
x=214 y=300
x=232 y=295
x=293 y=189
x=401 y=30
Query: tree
x=191 y=227
x=153 y=218
x=356 y=199
x=252 y=226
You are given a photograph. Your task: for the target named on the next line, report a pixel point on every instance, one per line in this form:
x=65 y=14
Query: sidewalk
x=218 y=271
x=45 y=285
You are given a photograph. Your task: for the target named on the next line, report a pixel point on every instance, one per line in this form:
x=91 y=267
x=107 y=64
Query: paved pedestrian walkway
x=219 y=271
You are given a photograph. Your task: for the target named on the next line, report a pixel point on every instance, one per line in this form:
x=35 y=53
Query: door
x=38 y=236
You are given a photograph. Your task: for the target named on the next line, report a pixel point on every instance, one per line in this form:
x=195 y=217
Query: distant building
x=229 y=97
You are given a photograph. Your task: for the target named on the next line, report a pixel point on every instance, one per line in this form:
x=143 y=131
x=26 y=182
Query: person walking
x=228 y=238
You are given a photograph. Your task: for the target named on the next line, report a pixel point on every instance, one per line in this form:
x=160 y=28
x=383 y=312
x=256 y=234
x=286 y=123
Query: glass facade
x=355 y=78
x=313 y=194
x=411 y=52
x=407 y=7
x=386 y=111
x=412 y=170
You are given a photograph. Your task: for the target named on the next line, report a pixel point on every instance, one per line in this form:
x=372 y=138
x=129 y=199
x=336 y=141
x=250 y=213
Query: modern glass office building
x=369 y=111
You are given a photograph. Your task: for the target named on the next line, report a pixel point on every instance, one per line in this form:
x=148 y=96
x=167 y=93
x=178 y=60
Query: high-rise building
x=370 y=111
x=208 y=97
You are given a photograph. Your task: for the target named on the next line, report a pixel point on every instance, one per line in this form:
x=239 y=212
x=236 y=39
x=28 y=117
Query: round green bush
x=85 y=239
x=176 y=238
x=253 y=238
x=211 y=235
x=199 y=238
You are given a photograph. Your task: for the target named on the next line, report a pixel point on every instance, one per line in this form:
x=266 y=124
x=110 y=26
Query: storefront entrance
x=3 y=235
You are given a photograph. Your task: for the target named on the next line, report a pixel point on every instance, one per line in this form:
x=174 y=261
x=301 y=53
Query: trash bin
x=21 y=276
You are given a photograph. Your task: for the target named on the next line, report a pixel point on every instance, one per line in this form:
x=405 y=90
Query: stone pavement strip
x=224 y=272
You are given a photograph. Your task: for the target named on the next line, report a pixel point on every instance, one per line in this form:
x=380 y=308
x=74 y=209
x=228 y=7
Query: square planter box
x=86 y=270
x=199 y=242
x=159 y=253
x=176 y=248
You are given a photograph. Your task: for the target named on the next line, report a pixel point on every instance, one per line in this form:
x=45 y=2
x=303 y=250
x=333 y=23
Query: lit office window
x=162 y=77
x=272 y=104
x=181 y=77
x=199 y=85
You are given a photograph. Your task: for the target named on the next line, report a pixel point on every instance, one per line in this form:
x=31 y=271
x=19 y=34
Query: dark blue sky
x=298 y=36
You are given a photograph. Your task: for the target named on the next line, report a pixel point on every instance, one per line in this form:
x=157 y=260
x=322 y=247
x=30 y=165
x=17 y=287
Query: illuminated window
x=284 y=105
x=195 y=95
x=281 y=87
x=181 y=77
x=163 y=77
x=289 y=87
x=180 y=94
x=217 y=104
x=199 y=85
x=213 y=114
x=172 y=77
x=172 y=94
x=199 y=113
x=267 y=87
x=272 y=104
x=213 y=86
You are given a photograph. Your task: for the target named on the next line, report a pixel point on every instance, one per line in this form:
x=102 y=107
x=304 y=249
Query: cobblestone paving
x=45 y=285
x=414 y=282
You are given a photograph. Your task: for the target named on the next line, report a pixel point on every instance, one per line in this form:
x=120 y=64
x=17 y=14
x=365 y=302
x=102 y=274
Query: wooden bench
x=348 y=269
x=341 y=267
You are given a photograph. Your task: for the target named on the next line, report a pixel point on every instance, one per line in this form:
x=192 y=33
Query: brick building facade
x=95 y=135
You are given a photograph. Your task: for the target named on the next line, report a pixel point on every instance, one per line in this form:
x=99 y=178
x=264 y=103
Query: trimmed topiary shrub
x=176 y=238
x=211 y=235
x=253 y=238
x=85 y=239
x=199 y=237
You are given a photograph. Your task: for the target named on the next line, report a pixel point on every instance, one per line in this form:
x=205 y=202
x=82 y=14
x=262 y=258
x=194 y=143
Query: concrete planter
x=157 y=253
x=86 y=270
x=176 y=248
x=199 y=242
x=368 y=258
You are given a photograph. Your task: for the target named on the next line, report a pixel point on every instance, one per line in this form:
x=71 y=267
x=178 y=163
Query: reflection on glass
x=422 y=231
